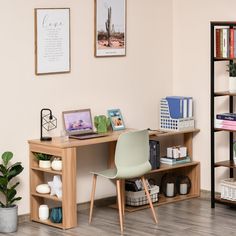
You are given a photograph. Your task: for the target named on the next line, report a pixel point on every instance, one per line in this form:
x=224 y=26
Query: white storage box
x=139 y=198
x=169 y=124
x=228 y=189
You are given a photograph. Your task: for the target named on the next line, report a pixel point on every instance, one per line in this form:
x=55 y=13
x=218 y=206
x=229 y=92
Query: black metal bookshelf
x=227 y=163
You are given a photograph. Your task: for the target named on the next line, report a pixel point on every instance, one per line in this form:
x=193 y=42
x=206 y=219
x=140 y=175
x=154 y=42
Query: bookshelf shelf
x=216 y=52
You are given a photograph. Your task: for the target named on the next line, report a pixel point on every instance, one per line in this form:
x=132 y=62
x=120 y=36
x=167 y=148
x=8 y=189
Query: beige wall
x=134 y=83
x=191 y=72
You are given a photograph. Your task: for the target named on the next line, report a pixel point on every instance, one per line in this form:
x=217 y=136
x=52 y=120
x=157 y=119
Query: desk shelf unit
x=191 y=169
x=215 y=94
x=67 y=151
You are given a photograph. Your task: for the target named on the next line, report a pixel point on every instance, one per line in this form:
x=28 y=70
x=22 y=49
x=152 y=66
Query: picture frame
x=110 y=28
x=116 y=119
x=52 y=41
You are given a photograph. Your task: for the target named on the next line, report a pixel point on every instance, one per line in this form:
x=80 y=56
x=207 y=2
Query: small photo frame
x=116 y=119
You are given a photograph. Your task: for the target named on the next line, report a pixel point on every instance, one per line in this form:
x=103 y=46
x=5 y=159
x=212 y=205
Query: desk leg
x=111 y=158
x=69 y=206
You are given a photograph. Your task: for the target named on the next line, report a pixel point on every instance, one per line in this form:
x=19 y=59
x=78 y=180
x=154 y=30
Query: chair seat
x=109 y=173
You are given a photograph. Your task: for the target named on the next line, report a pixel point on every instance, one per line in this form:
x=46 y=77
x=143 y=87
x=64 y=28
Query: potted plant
x=8 y=210
x=44 y=159
x=232 y=77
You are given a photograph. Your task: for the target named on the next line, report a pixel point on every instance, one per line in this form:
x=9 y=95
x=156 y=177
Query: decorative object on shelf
x=234 y=147
x=110 y=21
x=56 y=186
x=48 y=122
x=168 y=185
x=56 y=164
x=8 y=209
x=183 y=184
x=154 y=154
x=176 y=113
x=101 y=123
x=232 y=76
x=52 y=40
x=43 y=189
x=116 y=119
x=176 y=152
x=56 y=215
x=44 y=159
x=43 y=212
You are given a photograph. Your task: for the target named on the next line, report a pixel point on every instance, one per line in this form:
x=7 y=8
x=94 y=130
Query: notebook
x=78 y=124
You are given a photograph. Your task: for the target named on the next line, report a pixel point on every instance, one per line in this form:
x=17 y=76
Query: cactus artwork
x=108 y=27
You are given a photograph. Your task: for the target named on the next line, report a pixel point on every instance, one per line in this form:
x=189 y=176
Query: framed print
x=52 y=40
x=117 y=121
x=110 y=28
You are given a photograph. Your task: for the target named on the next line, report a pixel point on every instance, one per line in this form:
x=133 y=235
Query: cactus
x=108 y=27
x=101 y=123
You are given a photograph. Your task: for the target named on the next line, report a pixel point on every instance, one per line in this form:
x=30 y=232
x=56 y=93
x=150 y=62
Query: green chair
x=131 y=161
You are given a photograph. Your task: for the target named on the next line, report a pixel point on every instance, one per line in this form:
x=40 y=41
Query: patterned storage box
x=169 y=124
x=139 y=198
x=228 y=189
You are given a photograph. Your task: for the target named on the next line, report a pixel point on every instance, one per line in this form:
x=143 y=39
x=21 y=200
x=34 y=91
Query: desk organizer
x=228 y=189
x=139 y=198
x=169 y=124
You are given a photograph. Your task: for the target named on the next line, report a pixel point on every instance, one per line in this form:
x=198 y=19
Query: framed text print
x=52 y=40
x=110 y=28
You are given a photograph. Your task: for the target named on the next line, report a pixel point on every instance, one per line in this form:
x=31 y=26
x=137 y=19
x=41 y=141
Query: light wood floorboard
x=193 y=217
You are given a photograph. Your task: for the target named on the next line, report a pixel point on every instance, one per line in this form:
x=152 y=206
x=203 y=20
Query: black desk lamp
x=48 y=122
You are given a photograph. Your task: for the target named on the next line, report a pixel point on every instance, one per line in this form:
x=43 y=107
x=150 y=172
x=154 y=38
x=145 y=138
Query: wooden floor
x=192 y=217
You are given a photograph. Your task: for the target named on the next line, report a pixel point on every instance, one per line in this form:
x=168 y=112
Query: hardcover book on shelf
x=172 y=161
x=226 y=116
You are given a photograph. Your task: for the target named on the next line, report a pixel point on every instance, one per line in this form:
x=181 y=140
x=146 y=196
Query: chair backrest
x=132 y=154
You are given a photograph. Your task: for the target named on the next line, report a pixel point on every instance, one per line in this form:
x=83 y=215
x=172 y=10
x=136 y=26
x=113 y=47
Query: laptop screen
x=76 y=122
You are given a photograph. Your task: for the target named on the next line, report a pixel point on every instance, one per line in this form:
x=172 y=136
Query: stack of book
x=173 y=161
x=226 y=121
x=226 y=43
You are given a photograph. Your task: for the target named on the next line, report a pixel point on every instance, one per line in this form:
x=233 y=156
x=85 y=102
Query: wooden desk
x=67 y=151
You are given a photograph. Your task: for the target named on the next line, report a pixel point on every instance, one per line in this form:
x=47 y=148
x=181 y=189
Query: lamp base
x=46 y=139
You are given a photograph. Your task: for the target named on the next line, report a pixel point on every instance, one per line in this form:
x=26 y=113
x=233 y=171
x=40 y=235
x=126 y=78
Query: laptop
x=79 y=125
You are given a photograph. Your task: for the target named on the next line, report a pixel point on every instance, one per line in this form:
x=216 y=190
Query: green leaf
x=3 y=182
x=3 y=169
x=11 y=193
x=13 y=200
x=14 y=171
x=6 y=157
x=15 y=185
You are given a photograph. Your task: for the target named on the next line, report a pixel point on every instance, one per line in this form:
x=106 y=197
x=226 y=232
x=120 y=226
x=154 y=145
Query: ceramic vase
x=56 y=215
x=56 y=164
x=43 y=212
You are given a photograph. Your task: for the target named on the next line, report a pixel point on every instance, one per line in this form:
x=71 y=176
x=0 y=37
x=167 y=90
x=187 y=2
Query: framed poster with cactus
x=110 y=28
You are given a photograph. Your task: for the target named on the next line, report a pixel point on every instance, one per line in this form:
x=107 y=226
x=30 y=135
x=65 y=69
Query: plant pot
x=56 y=165
x=8 y=219
x=232 y=84
x=44 y=164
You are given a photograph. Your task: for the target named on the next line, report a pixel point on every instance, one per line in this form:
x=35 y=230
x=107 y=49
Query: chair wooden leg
x=92 y=197
x=119 y=204
x=123 y=196
x=149 y=199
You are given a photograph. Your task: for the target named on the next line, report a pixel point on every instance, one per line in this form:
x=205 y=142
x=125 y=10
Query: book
x=175 y=104
x=231 y=43
x=172 y=161
x=218 y=54
x=225 y=39
x=225 y=122
x=234 y=43
x=226 y=116
x=228 y=127
x=190 y=106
